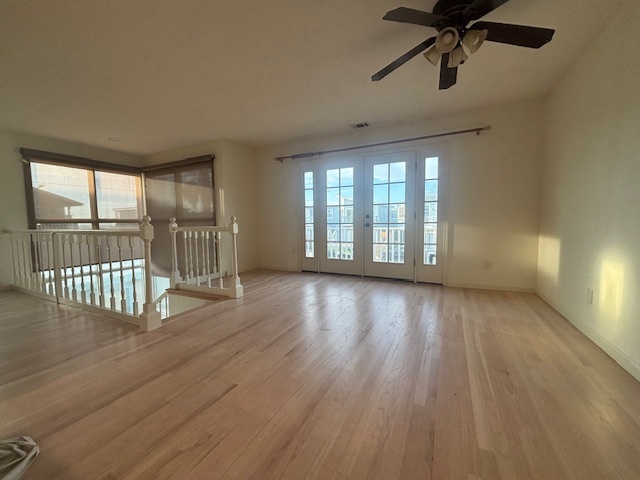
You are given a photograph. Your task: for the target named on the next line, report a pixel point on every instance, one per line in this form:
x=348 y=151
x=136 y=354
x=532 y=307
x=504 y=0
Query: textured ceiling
x=161 y=74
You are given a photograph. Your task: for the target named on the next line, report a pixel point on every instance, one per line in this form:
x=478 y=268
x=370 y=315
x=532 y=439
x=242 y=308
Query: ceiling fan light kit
x=451 y=19
x=474 y=39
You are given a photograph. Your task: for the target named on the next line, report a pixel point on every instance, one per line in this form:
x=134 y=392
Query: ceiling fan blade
x=416 y=17
x=448 y=76
x=479 y=8
x=523 y=36
x=403 y=59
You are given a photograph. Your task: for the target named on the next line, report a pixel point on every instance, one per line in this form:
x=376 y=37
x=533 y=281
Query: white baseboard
x=278 y=268
x=624 y=360
x=504 y=288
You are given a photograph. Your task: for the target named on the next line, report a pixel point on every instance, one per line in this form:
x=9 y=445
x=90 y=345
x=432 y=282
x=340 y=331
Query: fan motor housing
x=452 y=9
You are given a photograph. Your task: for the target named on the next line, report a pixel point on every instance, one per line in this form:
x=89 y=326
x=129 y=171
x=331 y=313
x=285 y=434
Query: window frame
x=91 y=167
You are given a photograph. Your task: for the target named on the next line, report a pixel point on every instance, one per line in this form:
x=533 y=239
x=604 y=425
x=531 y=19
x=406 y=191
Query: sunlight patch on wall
x=550 y=250
x=611 y=288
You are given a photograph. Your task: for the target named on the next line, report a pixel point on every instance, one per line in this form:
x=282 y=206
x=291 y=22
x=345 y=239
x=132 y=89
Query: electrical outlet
x=487 y=265
x=589 y=295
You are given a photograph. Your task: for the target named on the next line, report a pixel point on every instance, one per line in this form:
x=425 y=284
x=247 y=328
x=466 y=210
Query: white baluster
x=83 y=294
x=74 y=292
x=112 y=299
x=90 y=241
x=186 y=262
x=64 y=240
x=123 y=300
x=26 y=258
x=207 y=250
x=235 y=287
x=175 y=272
x=56 y=245
x=219 y=259
x=133 y=278
x=101 y=301
x=197 y=260
x=14 y=256
x=150 y=318
x=190 y=237
x=50 y=264
x=37 y=260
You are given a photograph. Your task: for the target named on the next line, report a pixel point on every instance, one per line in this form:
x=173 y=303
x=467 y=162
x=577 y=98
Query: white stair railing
x=106 y=271
x=198 y=260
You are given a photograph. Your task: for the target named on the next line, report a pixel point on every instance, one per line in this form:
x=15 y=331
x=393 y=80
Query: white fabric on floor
x=16 y=455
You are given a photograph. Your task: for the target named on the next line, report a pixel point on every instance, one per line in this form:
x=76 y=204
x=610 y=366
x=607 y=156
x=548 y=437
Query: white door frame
x=319 y=166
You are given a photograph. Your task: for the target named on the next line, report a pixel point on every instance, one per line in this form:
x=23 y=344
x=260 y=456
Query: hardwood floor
x=319 y=376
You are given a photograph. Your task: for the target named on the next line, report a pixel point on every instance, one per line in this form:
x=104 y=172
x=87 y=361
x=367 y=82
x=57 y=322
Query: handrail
x=199 y=262
x=77 y=267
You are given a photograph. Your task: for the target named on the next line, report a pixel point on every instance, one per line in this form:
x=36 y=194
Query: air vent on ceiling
x=356 y=126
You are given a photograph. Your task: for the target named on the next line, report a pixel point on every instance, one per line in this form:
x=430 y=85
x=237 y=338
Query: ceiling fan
x=450 y=18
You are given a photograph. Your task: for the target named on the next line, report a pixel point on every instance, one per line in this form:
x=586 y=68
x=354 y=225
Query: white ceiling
x=161 y=74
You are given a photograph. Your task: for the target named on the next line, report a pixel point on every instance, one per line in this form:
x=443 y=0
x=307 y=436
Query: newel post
x=175 y=272
x=150 y=317
x=235 y=288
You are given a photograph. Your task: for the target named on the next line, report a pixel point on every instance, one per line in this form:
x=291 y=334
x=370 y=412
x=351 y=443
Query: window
x=389 y=207
x=181 y=191
x=78 y=197
x=340 y=214
x=309 y=242
x=430 y=243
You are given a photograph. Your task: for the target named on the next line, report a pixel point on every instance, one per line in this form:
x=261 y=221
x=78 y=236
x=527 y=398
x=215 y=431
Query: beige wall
x=236 y=185
x=13 y=208
x=590 y=227
x=492 y=192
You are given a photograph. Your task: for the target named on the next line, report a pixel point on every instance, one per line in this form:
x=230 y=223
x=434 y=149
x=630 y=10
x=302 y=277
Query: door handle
x=366 y=224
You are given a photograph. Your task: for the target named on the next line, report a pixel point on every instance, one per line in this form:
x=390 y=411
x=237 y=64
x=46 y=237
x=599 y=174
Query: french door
x=374 y=215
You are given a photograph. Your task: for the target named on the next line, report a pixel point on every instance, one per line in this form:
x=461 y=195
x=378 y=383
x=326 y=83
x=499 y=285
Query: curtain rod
x=392 y=142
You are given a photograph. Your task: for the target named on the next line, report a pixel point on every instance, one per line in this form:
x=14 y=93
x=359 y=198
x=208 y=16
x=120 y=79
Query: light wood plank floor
x=319 y=376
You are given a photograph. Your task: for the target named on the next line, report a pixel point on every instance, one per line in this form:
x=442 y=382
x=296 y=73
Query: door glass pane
x=308 y=198
x=333 y=178
x=431 y=190
x=397 y=172
x=380 y=234
x=381 y=213
x=397 y=213
x=430 y=168
x=308 y=180
x=396 y=253
x=346 y=196
x=430 y=211
x=346 y=177
x=381 y=194
x=430 y=240
x=381 y=174
x=333 y=196
x=380 y=253
x=389 y=212
x=340 y=201
x=430 y=254
x=333 y=250
x=346 y=252
x=396 y=193
x=308 y=215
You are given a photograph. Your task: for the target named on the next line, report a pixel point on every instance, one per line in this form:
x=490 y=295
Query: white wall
x=13 y=207
x=492 y=190
x=236 y=184
x=590 y=227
